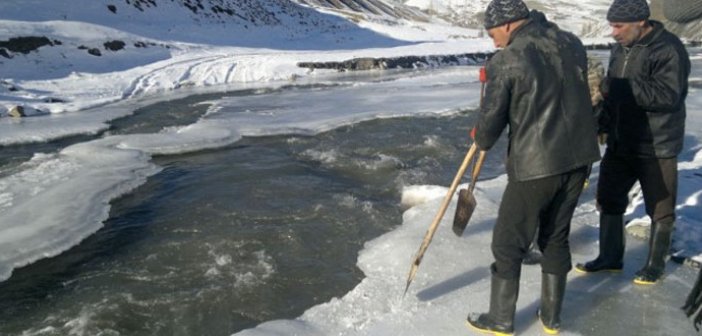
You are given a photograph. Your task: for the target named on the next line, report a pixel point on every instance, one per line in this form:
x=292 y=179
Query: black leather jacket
x=537 y=86
x=645 y=91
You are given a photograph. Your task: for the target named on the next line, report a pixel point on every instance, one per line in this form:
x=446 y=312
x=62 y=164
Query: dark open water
x=225 y=239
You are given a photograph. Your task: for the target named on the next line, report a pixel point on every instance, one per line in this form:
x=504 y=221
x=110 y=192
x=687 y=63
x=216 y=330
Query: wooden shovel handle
x=447 y=199
x=442 y=210
x=476 y=170
x=452 y=189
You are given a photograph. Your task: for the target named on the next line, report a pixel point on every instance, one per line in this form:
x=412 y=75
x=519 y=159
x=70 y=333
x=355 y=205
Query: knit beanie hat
x=501 y=12
x=628 y=11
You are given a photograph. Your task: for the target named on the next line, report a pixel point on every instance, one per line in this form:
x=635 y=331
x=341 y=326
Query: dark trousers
x=547 y=204
x=658 y=179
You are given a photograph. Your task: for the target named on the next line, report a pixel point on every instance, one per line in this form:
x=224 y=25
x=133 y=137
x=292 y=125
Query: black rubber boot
x=552 y=291
x=611 y=247
x=503 y=302
x=659 y=244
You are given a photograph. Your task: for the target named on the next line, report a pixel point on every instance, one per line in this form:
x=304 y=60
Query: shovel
x=442 y=210
x=466 y=200
x=452 y=189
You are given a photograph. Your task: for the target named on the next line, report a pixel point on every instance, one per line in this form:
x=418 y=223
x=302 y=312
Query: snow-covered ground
x=74 y=186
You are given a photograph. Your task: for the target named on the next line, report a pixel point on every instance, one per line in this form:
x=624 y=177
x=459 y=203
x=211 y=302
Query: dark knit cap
x=628 y=11
x=501 y=12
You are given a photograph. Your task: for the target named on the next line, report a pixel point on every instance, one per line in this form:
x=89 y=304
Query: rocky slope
x=352 y=8
x=682 y=17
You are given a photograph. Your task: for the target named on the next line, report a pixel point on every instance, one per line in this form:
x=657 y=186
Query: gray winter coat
x=645 y=91
x=537 y=86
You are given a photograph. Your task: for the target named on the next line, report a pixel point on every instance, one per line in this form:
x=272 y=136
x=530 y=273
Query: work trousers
x=658 y=179
x=546 y=204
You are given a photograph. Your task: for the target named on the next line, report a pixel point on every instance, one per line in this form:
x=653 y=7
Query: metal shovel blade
x=464 y=210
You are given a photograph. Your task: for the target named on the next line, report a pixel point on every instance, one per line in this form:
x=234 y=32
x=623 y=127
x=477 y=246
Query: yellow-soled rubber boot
x=659 y=244
x=549 y=331
x=503 y=303
x=552 y=292
x=596 y=266
x=642 y=280
x=611 y=247
x=485 y=328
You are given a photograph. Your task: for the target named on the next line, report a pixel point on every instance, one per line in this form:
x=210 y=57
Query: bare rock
x=114 y=45
x=94 y=52
x=16 y=112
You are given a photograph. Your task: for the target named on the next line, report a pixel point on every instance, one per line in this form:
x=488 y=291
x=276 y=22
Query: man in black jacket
x=537 y=88
x=644 y=120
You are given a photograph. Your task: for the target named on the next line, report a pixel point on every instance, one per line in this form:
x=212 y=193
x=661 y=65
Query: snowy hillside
x=353 y=8
x=128 y=34
x=219 y=22
x=131 y=33
x=679 y=19
x=585 y=18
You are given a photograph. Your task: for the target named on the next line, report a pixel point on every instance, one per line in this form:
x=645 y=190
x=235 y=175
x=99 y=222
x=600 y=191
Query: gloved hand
x=472 y=134
x=605 y=87
x=620 y=90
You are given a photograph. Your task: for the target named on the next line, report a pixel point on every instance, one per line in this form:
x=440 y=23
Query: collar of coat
x=653 y=35
x=535 y=17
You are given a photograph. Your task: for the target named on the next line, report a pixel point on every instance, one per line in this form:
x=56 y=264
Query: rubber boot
x=611 y=247
x=503 y=302
x=552 y=291
x=659 y=244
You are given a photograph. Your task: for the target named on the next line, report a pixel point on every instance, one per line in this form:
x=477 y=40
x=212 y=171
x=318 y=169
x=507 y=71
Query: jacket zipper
x=627 y=52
